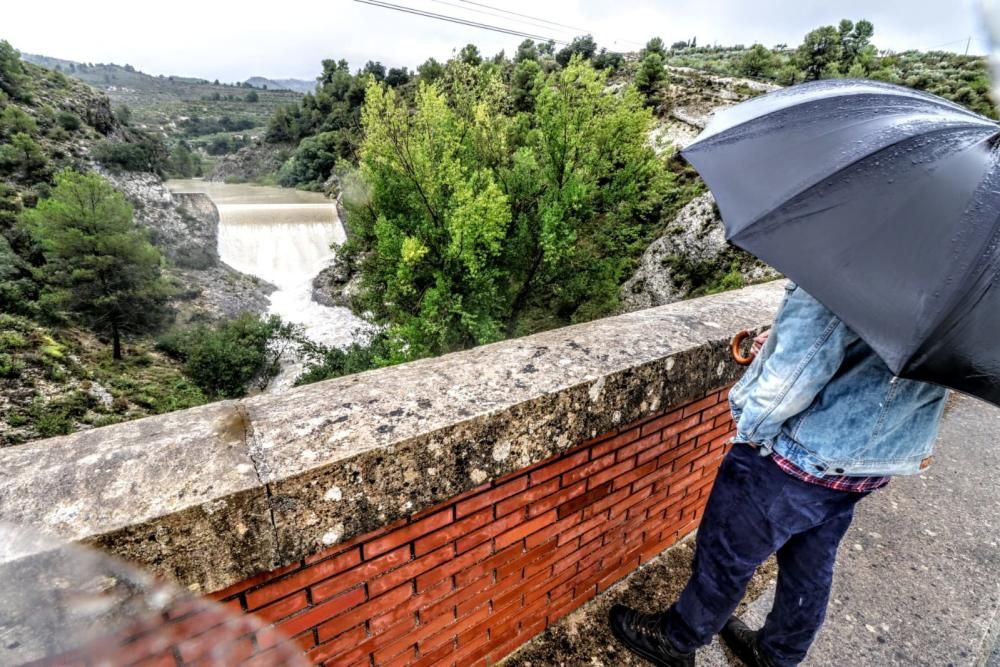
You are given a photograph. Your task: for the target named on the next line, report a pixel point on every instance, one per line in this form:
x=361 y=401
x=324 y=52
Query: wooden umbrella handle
x=734 y=349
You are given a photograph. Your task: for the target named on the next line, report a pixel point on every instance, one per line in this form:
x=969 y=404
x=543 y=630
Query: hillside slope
x=217 y=117
x=56 y=377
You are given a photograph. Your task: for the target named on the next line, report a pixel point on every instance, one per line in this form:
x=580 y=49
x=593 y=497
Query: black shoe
x=742 y=641
x=642 y=634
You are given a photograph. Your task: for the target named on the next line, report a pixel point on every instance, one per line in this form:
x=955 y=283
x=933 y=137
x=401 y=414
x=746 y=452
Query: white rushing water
x=284 y=237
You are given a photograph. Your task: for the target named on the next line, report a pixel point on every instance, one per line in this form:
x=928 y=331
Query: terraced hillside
x=217 y=117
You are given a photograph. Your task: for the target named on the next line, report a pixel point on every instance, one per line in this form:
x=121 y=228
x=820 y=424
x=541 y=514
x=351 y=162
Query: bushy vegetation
x=227 y=359
x=474 y=223
x=324 y=363
x=325 y=125
x=13 y=78
x=148 y=153
x=53 y=382
x=185 y=162
x=81 y=290
x=848 y=50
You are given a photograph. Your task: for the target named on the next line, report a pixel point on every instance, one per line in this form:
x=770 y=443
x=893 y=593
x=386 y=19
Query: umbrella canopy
x=884 y=204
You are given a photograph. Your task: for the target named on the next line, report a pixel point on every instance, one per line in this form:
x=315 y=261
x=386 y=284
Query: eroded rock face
x=692 y=257
x=184 y=227
x=692 y=253
x=336 y=285
x=251 y=163
x=219 y=292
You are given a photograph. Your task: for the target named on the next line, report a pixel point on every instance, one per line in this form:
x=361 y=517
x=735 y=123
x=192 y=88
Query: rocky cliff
x=692 y=258
x=186 y=227
x=251 y=164
x=336 y=285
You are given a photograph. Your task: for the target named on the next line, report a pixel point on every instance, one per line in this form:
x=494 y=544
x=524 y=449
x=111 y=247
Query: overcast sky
x=234 y=40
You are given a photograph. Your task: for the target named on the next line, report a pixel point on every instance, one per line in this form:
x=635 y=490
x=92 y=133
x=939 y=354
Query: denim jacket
x=820 y=397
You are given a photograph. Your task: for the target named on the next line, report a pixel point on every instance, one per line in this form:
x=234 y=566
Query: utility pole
x=967 y=43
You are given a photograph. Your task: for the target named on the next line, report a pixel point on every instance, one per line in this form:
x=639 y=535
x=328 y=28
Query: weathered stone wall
x=476 y=576
x=395 y=468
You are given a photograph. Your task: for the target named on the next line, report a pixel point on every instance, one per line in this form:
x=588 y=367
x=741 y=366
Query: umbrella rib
x=953 y=316
x=871 y=88
x=757 y=226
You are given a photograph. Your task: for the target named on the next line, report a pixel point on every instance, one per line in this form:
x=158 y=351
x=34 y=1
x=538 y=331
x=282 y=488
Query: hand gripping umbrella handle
x=734 y=349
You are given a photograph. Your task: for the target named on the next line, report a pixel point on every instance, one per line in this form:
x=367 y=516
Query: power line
x=538 y=18
x=460 y=21
x=967 y=40
x=494 y=14
x=533 y=18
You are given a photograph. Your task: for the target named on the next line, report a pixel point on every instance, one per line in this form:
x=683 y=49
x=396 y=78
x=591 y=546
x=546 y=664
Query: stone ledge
x=213 y=495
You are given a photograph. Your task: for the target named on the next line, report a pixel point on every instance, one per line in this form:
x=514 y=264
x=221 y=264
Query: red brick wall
x=470 y=580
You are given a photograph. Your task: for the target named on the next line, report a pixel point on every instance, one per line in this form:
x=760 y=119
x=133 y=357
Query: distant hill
x=216 y=117
x=298 y=85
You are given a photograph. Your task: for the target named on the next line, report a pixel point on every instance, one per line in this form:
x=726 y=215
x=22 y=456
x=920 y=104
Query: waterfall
x=284 y=237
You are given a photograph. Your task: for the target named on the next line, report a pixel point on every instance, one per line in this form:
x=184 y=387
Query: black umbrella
x=884 y=204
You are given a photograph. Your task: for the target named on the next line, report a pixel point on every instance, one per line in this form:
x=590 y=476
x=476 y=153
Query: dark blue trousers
x=756 y=509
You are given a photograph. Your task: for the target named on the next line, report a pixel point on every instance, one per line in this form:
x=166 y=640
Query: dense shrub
x=68 y=121
x=13 y=80
x=13 y=120
x=226 y=359
x=58 y=417
x=23 y=159
x=324 y=363
x=315 y=159
x=147 y=153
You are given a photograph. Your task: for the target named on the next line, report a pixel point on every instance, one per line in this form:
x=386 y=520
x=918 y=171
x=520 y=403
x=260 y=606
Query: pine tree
x=99 y=267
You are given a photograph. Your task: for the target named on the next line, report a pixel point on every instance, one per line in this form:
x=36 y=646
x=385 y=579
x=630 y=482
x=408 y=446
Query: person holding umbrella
x=821 y=423
x=883 y=203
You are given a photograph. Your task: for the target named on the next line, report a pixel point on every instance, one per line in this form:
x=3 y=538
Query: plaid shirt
x=836 y=482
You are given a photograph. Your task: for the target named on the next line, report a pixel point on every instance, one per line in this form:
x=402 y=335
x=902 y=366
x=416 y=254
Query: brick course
x=470 y=580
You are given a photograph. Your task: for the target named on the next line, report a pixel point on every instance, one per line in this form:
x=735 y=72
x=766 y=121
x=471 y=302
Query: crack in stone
x=261 y=469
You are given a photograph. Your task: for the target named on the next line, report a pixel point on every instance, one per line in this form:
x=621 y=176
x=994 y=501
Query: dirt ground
x=582 y=638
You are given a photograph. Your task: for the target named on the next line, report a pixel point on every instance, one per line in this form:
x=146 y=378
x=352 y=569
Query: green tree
x=252 y=97
x=656 y=45
x=397 y=76
x=652 y=72
x=430 y=71
x=820 y=52
x=470 y=55
x=524 y=84
x=854 y=39
x=599 y=187
x=314 y=159
x=441 y=219
x=757 y=61
x=23 y=158
x=99 y=267
x=526 y=50
x=583 y=46
x=471 y=224
x=13 y=79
